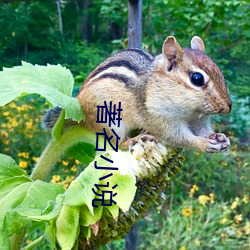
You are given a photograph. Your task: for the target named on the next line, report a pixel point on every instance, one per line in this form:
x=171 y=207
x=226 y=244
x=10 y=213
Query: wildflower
x=211 y=195
x=223 y=220
x=234 y=152
x=203 y=199
x=23 y=164
x=187 y=211
x=12 y=105
x=6 y=113
x=6 y=141
x=55 y=178
x=197 y=242
x=247 y=227
x=224 y=164
x=28 y=241
x=35 y=159
x=65 y=185
x=245 y=199
x=65 y=163
x=77 y=162
x=193 y=190
x=73 y=168
x=238 y=218
x=70 y=178
x=4 y=134
x=183 y=248
x=14 y=123
x=235 y=203
x=29 y=124
x=24 y=154
x=238 y=233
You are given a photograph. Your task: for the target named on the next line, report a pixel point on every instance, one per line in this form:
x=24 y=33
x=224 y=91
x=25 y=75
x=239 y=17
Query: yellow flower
x=4 y=134
x=77 y=162
x=203 y=199
x=24 y=154
x=23 y=164
x=187 y=211
x=6 y=113
x=29 y=124
x=35 y=159
x=223 y=220
x=224 y=164
x=197 y=242
x=12 y=105
x=14 y=123
x=234 y=152
x=6 y=141
x=65 y=163
x=183 y=248
x=245 y=199
x=238 y=218
x=235 y=203
x=55 y=178
x=193 y=190
x=73 y=168
x=238 y=233
x=211 y=195
x=247 y=227
x=70 y=178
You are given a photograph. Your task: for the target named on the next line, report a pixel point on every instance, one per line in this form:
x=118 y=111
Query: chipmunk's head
x=198 y=77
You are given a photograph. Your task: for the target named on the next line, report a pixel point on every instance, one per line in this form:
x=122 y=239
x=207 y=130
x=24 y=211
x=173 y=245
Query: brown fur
x=157 y=96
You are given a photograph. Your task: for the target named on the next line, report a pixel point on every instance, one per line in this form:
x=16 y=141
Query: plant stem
x=57 y=147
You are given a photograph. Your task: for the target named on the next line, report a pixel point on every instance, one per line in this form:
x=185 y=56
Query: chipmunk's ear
x=171 y=49
x=197 y=43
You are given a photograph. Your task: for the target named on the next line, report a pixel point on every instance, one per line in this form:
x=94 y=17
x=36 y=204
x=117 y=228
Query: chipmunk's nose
x=227 y=108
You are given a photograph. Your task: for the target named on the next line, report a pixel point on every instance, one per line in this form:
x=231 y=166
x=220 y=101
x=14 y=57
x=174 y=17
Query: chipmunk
x=169 y=97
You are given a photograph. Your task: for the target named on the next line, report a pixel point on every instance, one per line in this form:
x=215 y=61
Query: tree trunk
x=135 y=23
x=85 y=23
x=59 y=16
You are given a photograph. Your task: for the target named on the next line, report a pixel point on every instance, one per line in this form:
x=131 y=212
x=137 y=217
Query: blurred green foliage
x=30 y=32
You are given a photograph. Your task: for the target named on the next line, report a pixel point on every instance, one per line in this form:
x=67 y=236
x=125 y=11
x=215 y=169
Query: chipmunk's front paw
x=218 y=142
x=141 y=139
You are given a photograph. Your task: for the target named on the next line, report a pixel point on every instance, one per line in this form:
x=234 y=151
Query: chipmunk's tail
x=50 y=117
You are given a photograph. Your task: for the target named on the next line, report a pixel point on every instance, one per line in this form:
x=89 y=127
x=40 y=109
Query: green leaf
x=39 y=194
x=9 y=168
x=80 y=190
x=114 y=210
x=83 y=152
x=6 y=186
x=86 y=218
x=67 y=226
x=125 y=189
x=50 y=234
x=53 y=82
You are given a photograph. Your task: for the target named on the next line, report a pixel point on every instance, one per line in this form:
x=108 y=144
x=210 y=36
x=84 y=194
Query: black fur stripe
x=118 y=77
x=118 y=63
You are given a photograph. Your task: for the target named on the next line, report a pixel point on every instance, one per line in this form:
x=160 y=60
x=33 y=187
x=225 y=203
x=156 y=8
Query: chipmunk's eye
x=197 y=79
